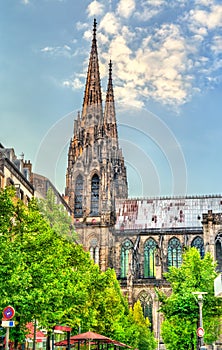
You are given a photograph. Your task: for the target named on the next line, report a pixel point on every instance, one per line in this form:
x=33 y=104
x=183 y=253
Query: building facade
x=140 y=238
x=16 y=172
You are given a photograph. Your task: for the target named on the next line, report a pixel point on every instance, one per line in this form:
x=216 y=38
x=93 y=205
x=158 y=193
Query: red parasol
x=40 y=336
x=90 y=337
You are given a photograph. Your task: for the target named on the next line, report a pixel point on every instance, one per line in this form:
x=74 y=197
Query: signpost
x=200 y=332
x=8 y=314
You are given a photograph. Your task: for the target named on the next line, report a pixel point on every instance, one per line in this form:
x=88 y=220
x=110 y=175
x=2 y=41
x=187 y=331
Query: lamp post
x=200 y=303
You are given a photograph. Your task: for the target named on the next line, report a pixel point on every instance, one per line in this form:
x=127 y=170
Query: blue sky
x=167 y=75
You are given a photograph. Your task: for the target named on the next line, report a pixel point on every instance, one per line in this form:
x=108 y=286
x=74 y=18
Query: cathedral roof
x=165 y=212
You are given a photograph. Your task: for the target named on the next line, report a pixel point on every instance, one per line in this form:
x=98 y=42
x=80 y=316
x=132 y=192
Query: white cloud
x=119 y=50
x=47 y=49
x=147 y=14
x=87 y=35
x=210 y=19
x=155 y=3
x=66 y=47
x=75 y=83
x=216 y=46
x=81 y=25
x=204 y=2
x=131 y=98
x=109 y=24
x=58 y=50
x=95 y=8
x=26 y=2
x=125 y=8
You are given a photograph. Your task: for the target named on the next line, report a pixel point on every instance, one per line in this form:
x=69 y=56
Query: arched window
x=147 y=306
x=94 y=250
x=149 y=258
x=218 y=249
x=198 y=243
x=127 y=245
x=78 y=208
x=95 y=195
x=94 y=254
x=174 y=253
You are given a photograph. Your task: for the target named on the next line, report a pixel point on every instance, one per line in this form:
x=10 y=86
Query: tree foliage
x=181 y=310
x=47 y=277
x=57 y=216
x=146 y=340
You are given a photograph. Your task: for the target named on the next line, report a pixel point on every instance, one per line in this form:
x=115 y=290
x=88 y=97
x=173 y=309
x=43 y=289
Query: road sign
x=200 y=332
x=8 y=323
x=8 y=312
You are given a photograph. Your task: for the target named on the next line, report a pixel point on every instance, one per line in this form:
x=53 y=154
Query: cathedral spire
x=110 y=114
x=96 y=173
x=92 y=103
x=109 y=93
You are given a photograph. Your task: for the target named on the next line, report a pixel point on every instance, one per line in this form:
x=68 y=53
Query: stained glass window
x=95 y=195
x=149 y=258
x=127 y=245
x=199 y=244
x=174 y=253
x=78 y=207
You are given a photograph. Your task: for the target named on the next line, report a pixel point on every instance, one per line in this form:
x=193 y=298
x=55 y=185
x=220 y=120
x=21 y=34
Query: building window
x=218 y=248
x=94 y=254
x=94 y=250
x=174 y=253
x=125 y=251
x=149 y=258
x=95 y=195
x=147 y=306
x=198 y=243
x=78 y=207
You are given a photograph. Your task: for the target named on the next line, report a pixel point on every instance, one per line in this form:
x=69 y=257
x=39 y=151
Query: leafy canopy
x=48 y=277
x=181 y=310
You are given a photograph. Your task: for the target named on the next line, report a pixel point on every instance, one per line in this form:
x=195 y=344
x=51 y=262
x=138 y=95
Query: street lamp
x=200 y=303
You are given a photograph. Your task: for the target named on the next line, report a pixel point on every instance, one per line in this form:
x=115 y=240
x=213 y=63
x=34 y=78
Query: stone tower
x=96 y=173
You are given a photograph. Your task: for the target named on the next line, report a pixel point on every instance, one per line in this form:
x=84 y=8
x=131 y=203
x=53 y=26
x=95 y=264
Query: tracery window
x=149 y=258
x=78 y=205
x=174 y=253
x=147 y=306
x=125 y=251
x=94 y=250
x=198 y=243
x=218 y=251
x=95 y=195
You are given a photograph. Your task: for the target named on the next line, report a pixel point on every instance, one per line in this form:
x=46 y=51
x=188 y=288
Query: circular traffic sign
x=8 y=312
x=200 y=332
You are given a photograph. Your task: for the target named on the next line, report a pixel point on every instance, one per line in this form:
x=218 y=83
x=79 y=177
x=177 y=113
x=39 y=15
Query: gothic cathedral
x=139 y=238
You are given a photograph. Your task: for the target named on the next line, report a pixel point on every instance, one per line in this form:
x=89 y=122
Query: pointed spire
x=110 y=94
x=92 y=103
x=110 y=114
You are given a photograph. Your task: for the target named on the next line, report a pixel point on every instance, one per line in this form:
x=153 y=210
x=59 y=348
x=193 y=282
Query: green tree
x=57 y=216
x=37 y=265
x=50 y=278
x=181 y=310
x=146 y=340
